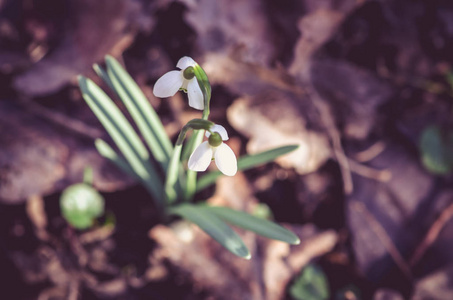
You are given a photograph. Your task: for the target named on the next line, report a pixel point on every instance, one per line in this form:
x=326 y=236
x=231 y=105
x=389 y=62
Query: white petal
x=201 y=157
x=185 y=62
x=168 y=84
x=226 y=160
x=195 y=95
x=220 y=130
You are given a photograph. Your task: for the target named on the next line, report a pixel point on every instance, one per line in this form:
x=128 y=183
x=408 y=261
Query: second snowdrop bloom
x=214 y=149
x=170 y=83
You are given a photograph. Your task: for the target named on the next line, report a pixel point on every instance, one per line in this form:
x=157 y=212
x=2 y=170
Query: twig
x=371 y=152
x=432 y=234
x=73 y=289
x=365 y=171
x=37 y=215
x=334 y=134
x=384 y=238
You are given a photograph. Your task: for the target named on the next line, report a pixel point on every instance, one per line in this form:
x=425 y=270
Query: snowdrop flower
x=214 y=149
x=170 y=83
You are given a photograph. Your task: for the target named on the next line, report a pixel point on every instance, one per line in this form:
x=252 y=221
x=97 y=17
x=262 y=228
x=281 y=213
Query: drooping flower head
x=170 y=83
x=214 y=149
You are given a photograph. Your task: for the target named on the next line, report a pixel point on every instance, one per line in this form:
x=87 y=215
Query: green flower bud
x=215 y=139
x=189 y=73
x=80 y=204
x=197 y=124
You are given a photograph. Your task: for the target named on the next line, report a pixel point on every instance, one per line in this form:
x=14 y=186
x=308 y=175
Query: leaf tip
x=82 y=82
x=96 y=67
x=108 y=58
x=296 y=241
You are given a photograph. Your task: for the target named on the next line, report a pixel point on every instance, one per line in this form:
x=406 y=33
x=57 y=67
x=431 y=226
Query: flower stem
x=173 y=167
x=203 y=82
x=191 y=182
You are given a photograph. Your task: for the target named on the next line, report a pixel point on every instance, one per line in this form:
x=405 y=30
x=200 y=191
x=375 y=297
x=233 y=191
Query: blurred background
x=365 y=88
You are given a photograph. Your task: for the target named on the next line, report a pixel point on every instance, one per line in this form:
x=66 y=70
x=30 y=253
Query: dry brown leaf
x=387 y=218
x=435 y=286
x=270 y=121
x=225 y=25
x=99 y=26
x=39 y=159
x=322 y=20
x=354 y=94
x=316 y=29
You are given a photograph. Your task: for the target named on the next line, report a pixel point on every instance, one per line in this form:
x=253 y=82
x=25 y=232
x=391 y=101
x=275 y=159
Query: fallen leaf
x=353 y=93
x=388 y=219
x=435 y=286
x=39 y=159
x=95 y=29
x=225 y=25
x=271 y=120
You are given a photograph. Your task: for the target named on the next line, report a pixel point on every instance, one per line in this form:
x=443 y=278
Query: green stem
x=173 y=171
x=203 y=82
x=191 y=182
x=173 y=167
x=88 y=176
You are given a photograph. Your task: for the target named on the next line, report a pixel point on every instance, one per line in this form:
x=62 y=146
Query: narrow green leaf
x=107 y=152
x=188 y=146
x=103 y=74
x=260 y=226
x=214 y=227
x=122 y=134
x=247 y=162
x=141 y=111
x=171 y=191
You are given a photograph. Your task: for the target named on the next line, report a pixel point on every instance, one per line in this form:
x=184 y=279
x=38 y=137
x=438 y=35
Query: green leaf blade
x=122 y=134
x=107 y=152
x=141 y=111
x=260 y=226
x=247 y=162
x=103 y=74
x=171 y=188
x=214 y=227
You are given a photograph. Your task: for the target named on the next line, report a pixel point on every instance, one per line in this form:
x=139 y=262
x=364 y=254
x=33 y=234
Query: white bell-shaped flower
x=214 y=149
x=170 y=83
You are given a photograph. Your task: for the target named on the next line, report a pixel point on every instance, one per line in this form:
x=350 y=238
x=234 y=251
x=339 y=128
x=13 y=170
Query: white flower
x=215 y=149
x=170 y=83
